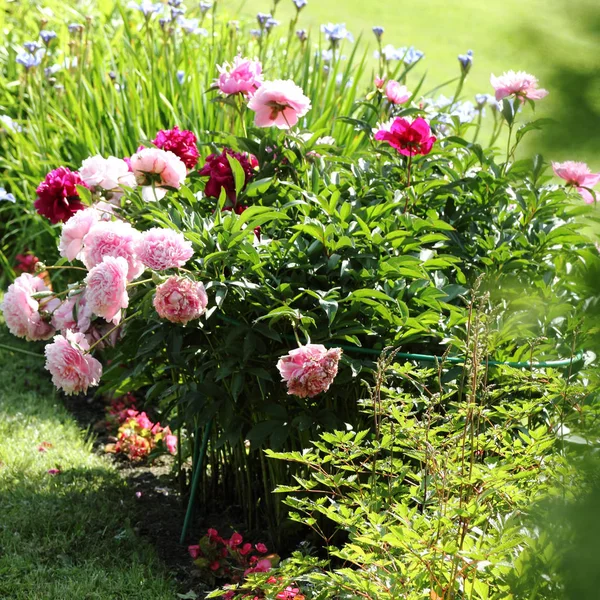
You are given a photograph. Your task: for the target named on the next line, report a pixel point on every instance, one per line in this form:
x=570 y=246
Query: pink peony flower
x=520 y=84
x=22 y=311
x=58 y=198
x=379 y=82
x=112 y=238
x=170 y=442
x=262 y=566
x=157 y=170
x=110 y=173
x=71 y=368
x=409 y=138
x=106 y=292
x=180 y=299
x=161 y=249
x=280 y=103
x=244 y=76
x=397 y=93
x=74 y=313
x=309 y=370
x=578 y=175
x=180 y=142
x=218 y=169
x=73 y=232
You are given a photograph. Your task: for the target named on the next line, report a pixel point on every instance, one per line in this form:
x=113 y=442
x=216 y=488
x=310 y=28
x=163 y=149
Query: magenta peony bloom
x=156 y=170
x=112 y=238
x=74 y=313
x=161 y=249
x=409 y=138
x=218 y=169
x=578 y=175
x=72 y=370
x=396 y=93
x=309 y=370
x=106 y=292
x=280 y=103
x=244 y=76
x=180 y=142
x=110 y=173
x=194 y=551
x=520 y=84
x=58 y=198
x=22 y=311
x=180 y=300
x=73 y=232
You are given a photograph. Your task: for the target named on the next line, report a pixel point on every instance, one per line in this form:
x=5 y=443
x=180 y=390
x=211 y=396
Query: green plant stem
x=112 y=330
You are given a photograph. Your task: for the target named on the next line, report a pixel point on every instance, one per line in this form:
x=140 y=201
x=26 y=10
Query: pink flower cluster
x=72 y=368
x=578 y=175
x=180 y=300
x=138 y=436
x=309 y=370
x=23 y=312
x=220 y=557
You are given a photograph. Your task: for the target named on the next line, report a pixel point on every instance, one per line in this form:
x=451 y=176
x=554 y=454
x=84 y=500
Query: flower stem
x=139 y=282
x=135 y=314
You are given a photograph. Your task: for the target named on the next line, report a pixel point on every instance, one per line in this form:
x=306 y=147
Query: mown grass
x=67 y=535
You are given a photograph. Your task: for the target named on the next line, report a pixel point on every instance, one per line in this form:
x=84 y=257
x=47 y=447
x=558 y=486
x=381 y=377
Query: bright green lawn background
x=557 y=40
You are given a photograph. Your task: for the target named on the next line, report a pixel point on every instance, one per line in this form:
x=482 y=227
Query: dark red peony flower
x=218 y=169
x=26 y=263
x=180 y=142
x=409 y=138
x=58 y=199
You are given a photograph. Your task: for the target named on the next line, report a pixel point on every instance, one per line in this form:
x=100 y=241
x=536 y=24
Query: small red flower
x=58 y=198
x=194 y=551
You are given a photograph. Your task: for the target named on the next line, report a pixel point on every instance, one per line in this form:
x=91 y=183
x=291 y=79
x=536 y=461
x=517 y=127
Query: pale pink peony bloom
x=22 y=311
x=74 y=313
x=243 y=76
x=309 y=370
x=180 y=300
x=112 y=238
x=170 y=441
x=157 y=170
x=520 y=84
x=71 y=368
x=74 y=230
x=280 y=103
x=397 y=93
x=579 y=175
x=161 y=249
x=106 y=292
x=379 y=82
x=110 y=173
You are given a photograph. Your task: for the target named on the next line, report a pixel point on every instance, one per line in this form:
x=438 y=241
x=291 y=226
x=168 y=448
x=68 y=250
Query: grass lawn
x=63 y=536
x=557 y=40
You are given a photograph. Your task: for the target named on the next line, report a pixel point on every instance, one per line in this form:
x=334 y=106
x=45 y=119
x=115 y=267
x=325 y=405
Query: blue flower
x=147 y=7
x=180 y=76
x=302 y=35
x=410 y=55
x=164 y=21
x=47 y=35
x=29 y=60
x=466 y=60
x=300 y=4
x=32 y=47
x=256 y=33
x=378 y=31
x=271 y=22
x=75 y=28
x=465 y=111
x=205 y=7
x=6 y=196
x=337 y=32
x=9 y=123
x=262 y=18
x=175 y=3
